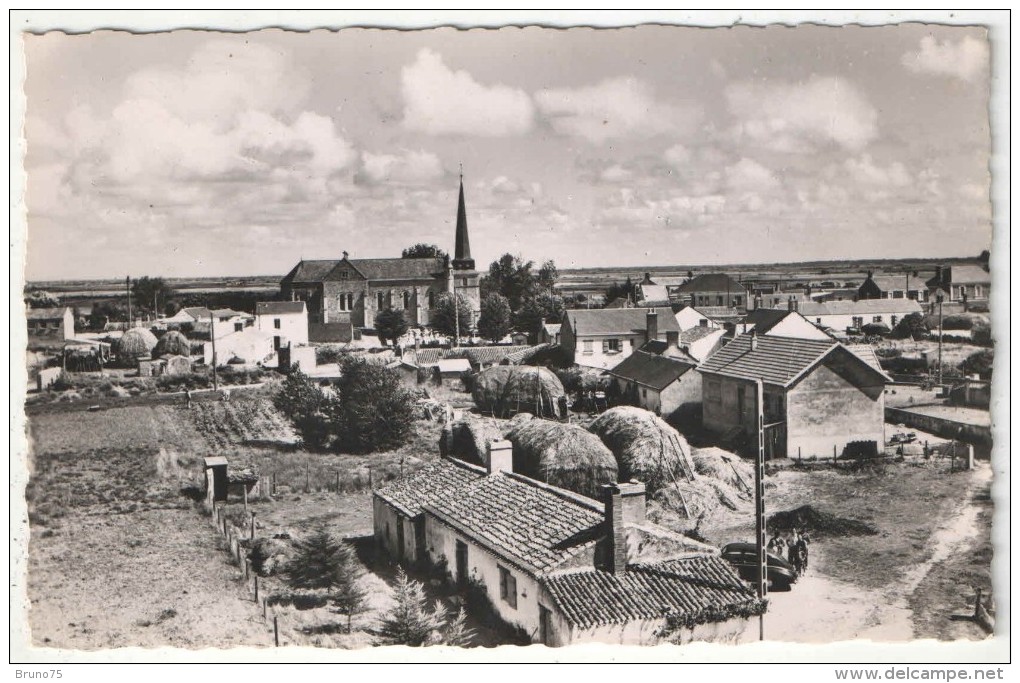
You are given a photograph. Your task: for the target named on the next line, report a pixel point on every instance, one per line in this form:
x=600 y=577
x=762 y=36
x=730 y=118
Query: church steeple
x=462 y=249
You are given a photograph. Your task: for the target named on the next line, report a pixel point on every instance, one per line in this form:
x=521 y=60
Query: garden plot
x=243 y=421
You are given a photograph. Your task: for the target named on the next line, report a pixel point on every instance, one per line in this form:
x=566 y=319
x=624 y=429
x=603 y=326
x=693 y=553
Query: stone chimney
x=500 y=457
x=652 y=324
x=938 y=274
x=345 y=255
x=672 y=339
x=790 y=306
x=754 y=340
x=624 y=504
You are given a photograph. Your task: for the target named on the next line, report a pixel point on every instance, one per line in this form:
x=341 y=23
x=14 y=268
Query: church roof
x=370 y=269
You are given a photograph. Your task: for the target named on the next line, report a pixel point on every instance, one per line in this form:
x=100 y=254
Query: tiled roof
x=435 y=482
x=371 y=269
x=764 y=319
x=200 y=313
x=229 y=313
x=960 y=275
x=689 y=586
x=424 y=357
x=888 y=283
x=525 y=354
x=651 y=370
x=862 y=307
x=659 y=347
x=279 y=307
x=531 y=525
x=454 y=365
x=866 y=352
x=777 y=360
x=695 y=333
x=712 y=282
x=312 y=271
x=604 y=322
x=486 y=355
x=46 y=313
x=670 y=280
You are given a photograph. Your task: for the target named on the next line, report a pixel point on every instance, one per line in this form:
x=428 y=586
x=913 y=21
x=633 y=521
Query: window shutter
x=605 y=346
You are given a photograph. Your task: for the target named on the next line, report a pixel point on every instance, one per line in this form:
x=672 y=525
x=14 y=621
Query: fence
x=951 y=429
x=314 y=478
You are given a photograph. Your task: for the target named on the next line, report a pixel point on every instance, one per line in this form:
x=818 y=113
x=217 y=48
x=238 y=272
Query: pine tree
x=317 y=561
x=347 y=593
x=410 y=622
x=457 y=633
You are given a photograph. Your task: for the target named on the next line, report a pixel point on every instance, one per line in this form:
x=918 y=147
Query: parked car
x=744 y=557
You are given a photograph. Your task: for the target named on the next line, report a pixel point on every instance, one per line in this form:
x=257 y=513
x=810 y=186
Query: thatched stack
x=645 y=446
x=505 y=390
x=468 y=439
x=136 y=343
x=173 y=343
x=725 y=467
x=563 y=455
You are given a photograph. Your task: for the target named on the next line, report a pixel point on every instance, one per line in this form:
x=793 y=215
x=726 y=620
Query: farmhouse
x=602 y=338
x=549 y=333
x=562 y=567
x=819 y=396
x=287 y=321
x=903 y=286
x=191 y=315
x=353 y=291
x=660 y=383
x=51 y=323
x=714 y=289
x=966 y=283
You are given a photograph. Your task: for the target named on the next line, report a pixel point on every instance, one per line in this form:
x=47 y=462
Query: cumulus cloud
x=865 y=171
x=440 y=101
x=613 y=108
x=749 y=175
x=677 y=157
x=407 y=168
x=965 y=60
x=797 y=116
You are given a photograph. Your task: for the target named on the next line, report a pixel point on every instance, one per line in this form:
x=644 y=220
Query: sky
x=196 y=153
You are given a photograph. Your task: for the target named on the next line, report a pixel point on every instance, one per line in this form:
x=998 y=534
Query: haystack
x=563 y=455
x=173 y=343
x=645 y=446
x=136 y=343
x=726 y=467
x=508 y=389
x=468 y=439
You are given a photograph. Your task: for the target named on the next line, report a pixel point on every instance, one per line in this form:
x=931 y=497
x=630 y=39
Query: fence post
x=274 y=483
x=253 y=525
x=276 y=631
x=371 y=485
x=834 y=455
x=256 y=589
x=338 y=481
x=308 y=480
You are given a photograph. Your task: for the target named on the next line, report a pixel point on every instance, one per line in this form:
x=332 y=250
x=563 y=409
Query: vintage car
x=744 y=557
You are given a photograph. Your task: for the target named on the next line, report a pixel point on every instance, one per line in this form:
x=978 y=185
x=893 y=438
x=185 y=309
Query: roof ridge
x=564 y=494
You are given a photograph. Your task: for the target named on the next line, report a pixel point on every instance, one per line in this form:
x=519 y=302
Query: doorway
x=462 y=563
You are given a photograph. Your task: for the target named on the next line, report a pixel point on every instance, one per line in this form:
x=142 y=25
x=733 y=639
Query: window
x=611 y=346
x=818 y=321
x=977 y=291
x=432 y=299
x=238 y=327
x=719 y=300
x=857 y=321
x=380 y=300
x=713 y=391
x=276 y=323
x=876 y=319
x=736 y=300
x=644 y=392
x=344 y=274
x=407 y=299
x=345 y=302
x=892 y=321
x=507 y=587
x=587 y=347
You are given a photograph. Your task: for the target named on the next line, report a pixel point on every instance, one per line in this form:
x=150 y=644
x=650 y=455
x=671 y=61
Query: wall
x=729 y=632
x=736 y=298
x=834 y=404
x=304 y=357
x=483 y=567
x=383 y=514
x=608 y=360
x=706 y=346
x=797 y=327
x=940 y=426
x=688 y=317
x=252 y=346
x=726 y=413
x=293 y=327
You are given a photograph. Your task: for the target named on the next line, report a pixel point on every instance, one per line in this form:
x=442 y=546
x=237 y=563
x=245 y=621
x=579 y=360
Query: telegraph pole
x=212 y=336
x=456 y=313
x=939 y=300
x=759 y=502
x=127 y=286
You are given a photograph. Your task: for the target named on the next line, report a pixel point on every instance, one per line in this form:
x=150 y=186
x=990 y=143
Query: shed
x=215 y=478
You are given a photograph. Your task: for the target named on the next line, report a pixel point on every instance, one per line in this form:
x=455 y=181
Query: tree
x=536 y=310
x=322 y=561
x=372 y=411
x=39 y=299
x=410 y=622
x=979 y=363
x=390 y=325
x=912 y=325
x=104 y=312
x=304 y=404
x=457 y=633
x=494 y=323
x=422 y=250
x=510 y=276
x=148 y=292
x=445 y=321
x=619 y=290
x=547 y=275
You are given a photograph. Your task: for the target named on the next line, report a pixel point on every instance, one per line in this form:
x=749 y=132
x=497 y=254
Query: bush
x=979 y=363
x=912 y=326
x=957 y=322
x=304 y=404
x=904 y=366
x=888 y=353
x=329 y=354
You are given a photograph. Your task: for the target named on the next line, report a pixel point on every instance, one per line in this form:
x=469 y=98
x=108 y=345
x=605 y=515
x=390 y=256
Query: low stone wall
x=979 y=435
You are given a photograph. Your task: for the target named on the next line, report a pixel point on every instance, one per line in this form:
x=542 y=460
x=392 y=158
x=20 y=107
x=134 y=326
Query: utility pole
x=128 y=287
x=456 y=313
x=939 y=300
x=212 y=336
x=759 y=502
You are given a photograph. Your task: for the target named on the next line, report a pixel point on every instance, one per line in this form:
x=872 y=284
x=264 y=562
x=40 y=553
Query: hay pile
x=505 y=390
x=725 y=467
x=563 y=455
x=173 y=343
x=645 y=447
x=812 y=520
x=722 y=490
x=468 y=439
x=136 y=343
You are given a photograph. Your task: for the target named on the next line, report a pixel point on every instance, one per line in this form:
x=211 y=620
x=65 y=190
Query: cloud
x=613 y=108
x=616 y=174
x=440 y=101
x=864 y=171
x=407 y=168
x=965 y=60
x=749 y=175
x=792 y=117
x=677 y=156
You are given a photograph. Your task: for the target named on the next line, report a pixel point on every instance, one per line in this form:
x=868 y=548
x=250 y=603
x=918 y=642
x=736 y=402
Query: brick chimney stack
x=754 y=339
x=672 y=339
x=500 y=457
x=624 y=504
x=789 y=303
x=652 y=324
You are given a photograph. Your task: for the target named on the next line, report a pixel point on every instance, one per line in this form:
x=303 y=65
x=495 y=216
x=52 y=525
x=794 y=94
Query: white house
x=287 y=321
x=603 y=338
x=839 y=316
x=779 y=323
x=688 y=317
x=701 y=342
x=55 y=323
x=249 y=344
x=227 y=321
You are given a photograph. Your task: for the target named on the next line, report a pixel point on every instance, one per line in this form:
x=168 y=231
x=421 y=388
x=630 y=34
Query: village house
x=659 y=291
x=192 y=315
x=839 y=317
x=56 y=324
x=353 y=291
x=603 y=338
x=661 y=383
x=689 y=316
x=701 y=342
x=818 y=395
x=549 y=333
x=780 y=323
x=226 y=321
x=561 y=567
x=902 y=286
x=714 y=289
x=287 y=321
x=964 y=283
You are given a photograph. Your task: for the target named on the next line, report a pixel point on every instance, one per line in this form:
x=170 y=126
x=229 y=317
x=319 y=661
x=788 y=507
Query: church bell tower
x=463 y=277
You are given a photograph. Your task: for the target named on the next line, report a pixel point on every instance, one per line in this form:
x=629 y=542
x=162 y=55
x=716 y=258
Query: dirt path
x=824 y=610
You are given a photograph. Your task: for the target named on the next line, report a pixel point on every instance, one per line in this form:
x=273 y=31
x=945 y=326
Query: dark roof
x=371 y=269
x=865 y=352
x=424 y=357
x=435 y=482
x=199 y=313
x=46 y=313
x=711 y=282
x=228 y=313
x=530 y=525
x=777 y=360
x=651 y=370
x=969 y=275
x=525 y=354
x=279 y=307
x=888 y=283
x=719 y=313
x=604 y=322
x=764 y=319
x=703 y=586
x=312 y=271
x=863 y=307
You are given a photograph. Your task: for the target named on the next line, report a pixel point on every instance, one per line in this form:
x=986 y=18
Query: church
x=352 y=291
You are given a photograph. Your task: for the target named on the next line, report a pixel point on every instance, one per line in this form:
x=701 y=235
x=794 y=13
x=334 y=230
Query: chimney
x=672 y=339
x=500 y=457
x=796 y=304
x=871 y=274
x=624 y=504
x=345 y=255
x=757 y=301
x=754 y=340
x=790 y=304
x=938 y=274
x=652 y=324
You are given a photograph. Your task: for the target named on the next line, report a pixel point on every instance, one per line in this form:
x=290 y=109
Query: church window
x=345 y=302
